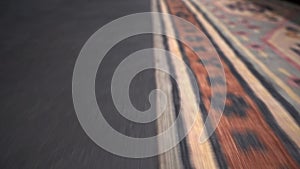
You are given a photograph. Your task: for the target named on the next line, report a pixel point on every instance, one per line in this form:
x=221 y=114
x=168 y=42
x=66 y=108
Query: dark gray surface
x=40 y=41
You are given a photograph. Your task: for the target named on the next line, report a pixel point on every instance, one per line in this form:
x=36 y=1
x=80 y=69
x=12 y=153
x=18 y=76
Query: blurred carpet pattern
x=267 y=30
x=259 y=46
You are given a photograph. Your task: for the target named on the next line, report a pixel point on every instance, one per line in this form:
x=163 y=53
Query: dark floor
x=40 y=41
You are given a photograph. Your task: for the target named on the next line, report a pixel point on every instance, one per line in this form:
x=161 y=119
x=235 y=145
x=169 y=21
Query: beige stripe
x=283 y=118
x=170 y=159
x=201 y=155
x=283 y=71
x=277 y=80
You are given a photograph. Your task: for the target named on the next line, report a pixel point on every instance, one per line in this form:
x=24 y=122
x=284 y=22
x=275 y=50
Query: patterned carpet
x=258 y=44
